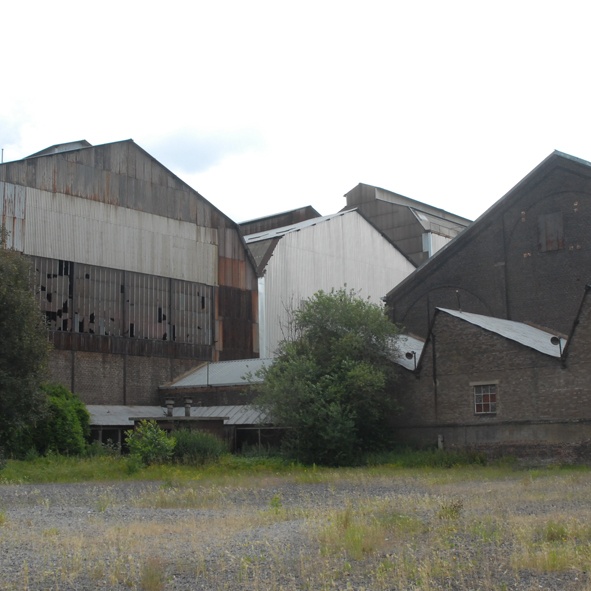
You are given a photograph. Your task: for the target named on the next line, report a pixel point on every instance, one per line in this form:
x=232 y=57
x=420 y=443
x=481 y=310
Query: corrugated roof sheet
x=406 y=344
x=119 y=416
x=437 y=224
x=279 y=232
x=223 y=373
x=527 y=335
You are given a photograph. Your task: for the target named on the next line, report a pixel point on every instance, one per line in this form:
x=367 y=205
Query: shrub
x=149 y=443
x=65 y=425
x=332 y=381
x=197 y=447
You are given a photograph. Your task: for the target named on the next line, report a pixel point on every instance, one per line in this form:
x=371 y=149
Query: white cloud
x=263 y=106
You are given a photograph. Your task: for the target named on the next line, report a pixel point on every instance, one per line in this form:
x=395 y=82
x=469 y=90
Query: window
x=485 y=399
x=550 y=232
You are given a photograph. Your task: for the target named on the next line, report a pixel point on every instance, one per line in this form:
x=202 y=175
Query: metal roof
x=223 y=373
x=279 y=232
x=406 y=344
x=527 y=335
x=437 y=224
x=106 y=415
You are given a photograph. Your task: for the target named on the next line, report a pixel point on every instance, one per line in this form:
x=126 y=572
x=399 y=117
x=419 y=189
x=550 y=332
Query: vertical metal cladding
x=12 y=214
x=87 y=299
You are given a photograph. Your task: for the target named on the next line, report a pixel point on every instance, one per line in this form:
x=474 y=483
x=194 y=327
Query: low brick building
x=501 y=386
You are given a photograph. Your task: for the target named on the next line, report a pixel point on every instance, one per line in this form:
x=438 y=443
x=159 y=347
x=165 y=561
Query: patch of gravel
x=79 y=537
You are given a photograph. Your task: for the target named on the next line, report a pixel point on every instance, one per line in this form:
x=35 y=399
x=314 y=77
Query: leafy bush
x=65 y=425
x=149 y=443
x=331 y=384
x=197 y=447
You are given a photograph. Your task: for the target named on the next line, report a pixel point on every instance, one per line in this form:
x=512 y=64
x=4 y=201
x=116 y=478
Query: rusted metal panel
x=12 y=214
x=99 y=301
x=278 y=220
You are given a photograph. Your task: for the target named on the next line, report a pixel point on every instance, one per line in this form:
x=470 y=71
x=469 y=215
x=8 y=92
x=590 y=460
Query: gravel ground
x=125 y=536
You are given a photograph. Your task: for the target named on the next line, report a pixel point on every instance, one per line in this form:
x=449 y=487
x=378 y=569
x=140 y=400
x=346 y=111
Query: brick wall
x=496 y=266
x=100 y=378
x=540 y=400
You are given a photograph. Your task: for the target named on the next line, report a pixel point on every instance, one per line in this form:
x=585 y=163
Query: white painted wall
x=342 y=250
x=70 y=228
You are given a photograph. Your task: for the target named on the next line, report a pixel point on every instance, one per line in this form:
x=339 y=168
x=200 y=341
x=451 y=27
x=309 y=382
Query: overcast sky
x=267 y=106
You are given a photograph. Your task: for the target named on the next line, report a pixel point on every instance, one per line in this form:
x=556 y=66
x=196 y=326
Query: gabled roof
x=445 y=218
x=280 y=232
x=554 y=160
x=222 y=373
x=262 y=244
x=276 y=220
x=58 y=148
x=529 y=336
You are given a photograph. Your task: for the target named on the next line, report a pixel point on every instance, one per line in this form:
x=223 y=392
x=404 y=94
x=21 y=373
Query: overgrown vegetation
x=331 y=382
x=196 y=447
x=149 y=444
x=380 y=528
x=65 y=425
x=23 y=353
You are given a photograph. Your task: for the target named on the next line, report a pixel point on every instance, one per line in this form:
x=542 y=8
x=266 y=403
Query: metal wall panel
x=83 y=298
x=99 y=234
x=12 y=214
x=345 y=250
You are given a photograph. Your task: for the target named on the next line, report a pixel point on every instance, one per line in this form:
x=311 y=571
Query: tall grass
x=246 y=524
x=197 y=447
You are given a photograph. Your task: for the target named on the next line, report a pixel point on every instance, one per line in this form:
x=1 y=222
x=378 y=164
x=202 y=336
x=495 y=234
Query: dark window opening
x=550 y=232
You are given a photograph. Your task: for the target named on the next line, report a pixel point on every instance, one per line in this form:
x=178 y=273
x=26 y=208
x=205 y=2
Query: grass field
x=253 y=524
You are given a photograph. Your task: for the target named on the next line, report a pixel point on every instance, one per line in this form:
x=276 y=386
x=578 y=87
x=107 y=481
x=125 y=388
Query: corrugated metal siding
x=12 y=214
x=87 y=299
x=438 y=242
x=62 y=227
x=345 y=250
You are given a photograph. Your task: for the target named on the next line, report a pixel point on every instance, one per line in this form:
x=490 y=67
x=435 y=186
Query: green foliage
x=331 y=382
x=149 y=443
x=23 y=352
x=405 y=457
x=65 y=425
x=197 y=447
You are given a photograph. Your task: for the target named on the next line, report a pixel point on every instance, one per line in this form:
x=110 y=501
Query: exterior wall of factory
x=417 y=229
x=138 y=275
x=279 y=220
x=344 y=250
x=542 y=403
x=526 y=259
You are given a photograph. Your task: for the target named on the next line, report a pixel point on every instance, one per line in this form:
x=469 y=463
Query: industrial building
x=418 y=230
x=527 y=258
x=138 y=275
x=320 y=253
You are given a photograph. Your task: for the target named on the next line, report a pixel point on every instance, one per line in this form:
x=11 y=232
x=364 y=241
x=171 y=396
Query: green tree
x=330 y=383
x=23 y=352
x=65 y=426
